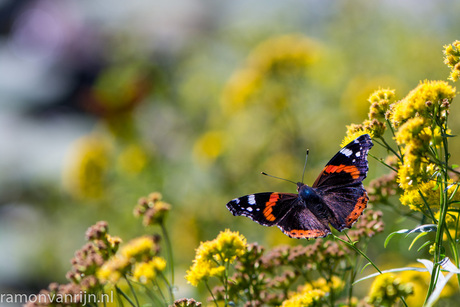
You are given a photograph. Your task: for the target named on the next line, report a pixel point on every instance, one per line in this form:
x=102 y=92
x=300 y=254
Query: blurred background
x=104 y=102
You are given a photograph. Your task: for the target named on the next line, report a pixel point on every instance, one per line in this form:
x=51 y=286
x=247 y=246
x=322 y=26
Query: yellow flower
x=145 y=272
x=387 y=289
x=209 y=146
x=380 y=102
x=335 y=284
x=412 y=198
x=202 y=270
x=305 y=299
x=283 y=52
x=240 y=88
x=139 y=249
x=229 y=245
x=354 y=131
x=211 y=255
x=452 y=223
x=276 y=57
x=452 y=59
x=113 y=269
x=410 y=129
x=421 y=101
x=133 y=159
x=88 y=165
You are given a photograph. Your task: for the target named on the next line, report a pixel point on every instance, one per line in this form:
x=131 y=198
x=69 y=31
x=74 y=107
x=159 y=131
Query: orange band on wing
x=351 y=169
x=357 y=211
x=306 y=234
x=274 y=197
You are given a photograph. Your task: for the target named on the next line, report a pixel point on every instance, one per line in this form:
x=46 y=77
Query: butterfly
x=336 y=198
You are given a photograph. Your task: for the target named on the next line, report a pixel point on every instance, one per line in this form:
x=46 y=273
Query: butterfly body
x=336 y=198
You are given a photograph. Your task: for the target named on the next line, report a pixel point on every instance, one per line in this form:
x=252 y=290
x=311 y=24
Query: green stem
x=132 y=291
x=353 y=246
x=170 y=257
x=125 y=296
x=212 y=294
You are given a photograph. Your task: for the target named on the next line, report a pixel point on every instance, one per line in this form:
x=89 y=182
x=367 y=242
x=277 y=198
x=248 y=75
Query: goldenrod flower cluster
x=278 y=56
x=452 y=59
x=416 y=121
x=86 y=174
x=137 y=258
x=306 y=298
x=313 y=293
x=212 y=256
x=375 y=126
x=387 y=289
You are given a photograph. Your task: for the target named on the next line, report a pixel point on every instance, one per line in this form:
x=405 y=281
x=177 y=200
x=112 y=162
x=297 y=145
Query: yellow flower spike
x=113 y=269
x=452 y=59
x=211 y=255
x=209 y=146
x=88 y=165
x=386 y=290
x=132 y=160
x=230 y=245
x=138 y=249
x=145 y=272
x=409 y=130
x=412 y=198
x=380 y=102
x=415 y=103
x=335 y=284
x=305 y=299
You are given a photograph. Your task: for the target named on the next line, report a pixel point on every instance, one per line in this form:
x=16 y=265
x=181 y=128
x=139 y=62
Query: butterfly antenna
x=305 y=165
x=263 y=173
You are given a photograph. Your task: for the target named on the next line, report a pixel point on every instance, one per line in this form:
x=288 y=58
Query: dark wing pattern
x=340 y=182
x=264 y=208
x=301 y=223
x=285 y=210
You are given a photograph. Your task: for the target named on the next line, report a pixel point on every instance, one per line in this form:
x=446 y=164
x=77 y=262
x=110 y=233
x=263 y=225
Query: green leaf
x=416 y=238
x=364 y=267
x=425 y=244
x=421 y=228
x=391 y=235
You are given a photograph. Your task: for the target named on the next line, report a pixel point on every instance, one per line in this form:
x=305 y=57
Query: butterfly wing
x=301 y=223
x=340 y=182
x=264 y=208
x=285 y=210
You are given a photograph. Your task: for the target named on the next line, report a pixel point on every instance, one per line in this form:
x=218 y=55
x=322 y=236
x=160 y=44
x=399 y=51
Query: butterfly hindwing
x=301 y=223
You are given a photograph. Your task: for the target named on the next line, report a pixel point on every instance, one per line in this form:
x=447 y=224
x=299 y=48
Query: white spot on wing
x=347 y=152
x=236 y=200
x=251 y=199
x=357 y=154
x=249 y=209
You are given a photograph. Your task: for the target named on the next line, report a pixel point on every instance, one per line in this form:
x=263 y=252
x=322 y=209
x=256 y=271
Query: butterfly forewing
x=264 y=208
x=347 y=167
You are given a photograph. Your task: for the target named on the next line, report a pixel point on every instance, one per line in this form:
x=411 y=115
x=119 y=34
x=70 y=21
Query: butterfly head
x=299 y=185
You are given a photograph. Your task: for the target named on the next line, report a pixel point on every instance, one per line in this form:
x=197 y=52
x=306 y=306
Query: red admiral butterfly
x=337 y=197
